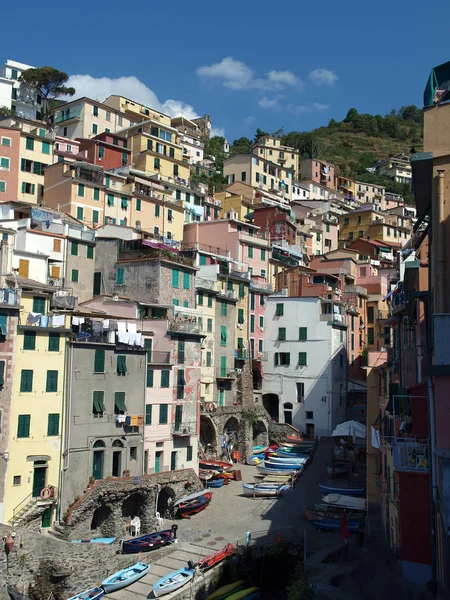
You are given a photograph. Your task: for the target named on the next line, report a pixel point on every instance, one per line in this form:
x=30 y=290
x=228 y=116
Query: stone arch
x=260 y=434
x=134 y=505
x=208 y=436
x=288 y=409
x=271 y=403
x=99 y=444
x=231 y=432
x=164 y=504
x=103 y=521
x=117 y=444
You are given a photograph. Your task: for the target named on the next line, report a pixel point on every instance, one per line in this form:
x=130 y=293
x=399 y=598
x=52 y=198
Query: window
x=279 y=310
x=53 y=424
x=75 y=275
x=4 y=163
x=282 y=359
x=180 y=384
x=350 y=235
x=99 y=361
x=27 y=188
x=98 y=403
x=163 y=412
x=200 y=298
x=133 y=453
x=119 y=403
x=150 y=377
x=120 y=276
x=26 y=380
x=209 y=326
x=282 y=334
x=252 y=323
x=346 y=220
x=223 y=335
x=241 y=290
x=101 y=152
x=223 y=309
x=29 y=143
x=148 y=414
x=121 y=364
x=186 y=281
x=303 y=333
x=263 y=273
x=156 y=230
x=243 y=176
x=360 y=233
x=95 y=111
x=208 y=359
x=2 y=186
x=250 y=252
x=94 y=128
x=29 y=340
x=210 y=301
x=318 y=236
x=181 y=348
x=241 y=316
x=94 y=219
x=370 y=314
x=175 y=278
x=23 y=426
x=17 y=479
x=73 y=249
x=302 y=359
x=353 y=341
x=6 y=141
x=156 y=163
x=189 y=454
x=300 y=391
x=52 y=381
x=165 y=377
x=370 y=335
x=80 y=193
x=45 y=147
x=110 y=199
x=309 y=414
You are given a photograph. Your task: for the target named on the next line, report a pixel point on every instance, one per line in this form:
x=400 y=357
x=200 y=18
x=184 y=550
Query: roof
x=24 y=282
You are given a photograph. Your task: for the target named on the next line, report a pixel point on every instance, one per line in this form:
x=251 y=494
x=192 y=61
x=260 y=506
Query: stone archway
x=260 y=434
x=208 y=436
x=103 y=521
x=231 y=432
x=271 y=403
x=164 y=505
x=134 y=505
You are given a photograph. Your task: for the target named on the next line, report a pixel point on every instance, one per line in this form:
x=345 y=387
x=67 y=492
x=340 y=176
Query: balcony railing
x=9 y=296
x=184 y=428
x=240 y=354
x=184 y=326
x=157 y=357
x=57 y=282
x=411 y=456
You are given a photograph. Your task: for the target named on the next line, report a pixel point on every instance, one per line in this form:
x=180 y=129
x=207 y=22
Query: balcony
x=286 y=258
x=68 y=115
x=225 y=373
x=240 y=354
x=57 y=282
x=10 y=297
x=184 y=326
x=261 y=285
x=184 y=429
x=382 y=315
x=158 y=358
x=411 y=456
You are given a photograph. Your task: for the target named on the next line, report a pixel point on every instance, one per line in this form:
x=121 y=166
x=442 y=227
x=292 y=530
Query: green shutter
x=263 y=254
x=26 y=380
x=241 y=290
x=52 y=381
x=53 y=424
x=186 y=281
x=138 y=204
x=99 y=361
x=74 y=249
x=279 y=310
x=110 y=199
x=202 y=260
x=90 y=249
x=240 y=316
x=120 y=276
x=2 y=372
x=172 y=152
x=3 y=324
x=98 y=404
x=189 y=454
x=303 y=333
x=148 y=414
x=208 y=359
x=163 y=412
x=252 y=323
x=165 y=377
x=45 y=147
x=200 y=299
x=157 y=209
x=29 y=340
x=180 y=384
x=121 y=364
x=223 y=309
x=29 y=143
x=276 y=359
x=119 y=403
x=175 y=278
x=148 y=344
x=223 y=366
x=94 y=218
x=80 y=213
x=23 y=426
x=96 y=194
x=252 y=300
x=75 y=275
x=150 y=374
x=250 y=251
x=223 y=335
x=180 y=352
x=81 y=190
x=124 y=203
x=282 y=334
x=38 y=305
x=302 y=359
x=210 y=300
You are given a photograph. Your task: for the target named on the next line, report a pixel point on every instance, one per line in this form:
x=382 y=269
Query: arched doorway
x=230 y=432
x=271 y=403
x=164 y=505
x=208 y=436
x=103 y=521
x=117 y=458
x=134 y=505
x=260 y=435
x=288 y=408
x=98 y=459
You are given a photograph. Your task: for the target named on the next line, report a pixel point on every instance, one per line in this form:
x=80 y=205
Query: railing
x=289 y=260
x=411 y=456
x=158 y=358
x=57 y=282
x=355 y=289
x=224 y=293
x=205 y=248
x=240 y=354
x=31 y=500
x=9 y=296
x=184 y=428
x=49 y=227
x=88 y=236
x=184 y=326
x=261 y=285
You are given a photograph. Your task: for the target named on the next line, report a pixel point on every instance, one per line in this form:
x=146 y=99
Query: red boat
x=293 y=439
x=193 y=504
x=217 y=465
x=215 y=558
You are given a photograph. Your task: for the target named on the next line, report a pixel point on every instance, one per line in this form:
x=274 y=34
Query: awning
x=119 y=401
x=349 y=429
x=99 y=405
x=438 y=85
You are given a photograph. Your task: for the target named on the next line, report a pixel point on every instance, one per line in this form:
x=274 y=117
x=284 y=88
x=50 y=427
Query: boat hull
x=215 y=558
x=282 y=466
x=195 y=506
x=172 y=582
x=264 y=491
x=348 y=502
x=125 y=577
x=214 y=483
x=334 y=525
x=225 y=591
x=92 y=594
x=275 y=471
x=330 y=489
x=145 y=543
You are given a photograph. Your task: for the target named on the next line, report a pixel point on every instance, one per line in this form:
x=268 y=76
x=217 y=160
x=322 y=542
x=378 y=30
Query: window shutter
x=276 y=359
x=26 y=380
x=241 y=290
x=99 y=361
x=186 y=281
x=175 y=278
x=23 y=427
x=52 y=381
x=3 y=324
x=98 y=405
x=53 y=424
x=165 y=377
x=119 y=403
x=150 y=374
x=2 y=373
x=163 y=411
x=148 y=414
x=121 y=364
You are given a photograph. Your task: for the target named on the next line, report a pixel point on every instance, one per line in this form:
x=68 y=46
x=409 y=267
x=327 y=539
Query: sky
x=270 y=65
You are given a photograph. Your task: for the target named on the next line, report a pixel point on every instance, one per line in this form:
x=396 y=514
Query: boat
x=337 y=469
x=246 y=594
x=151 y=541
x=225 y=591
x=349 y=502
x=279 y=466
x=256 y=459
x=268 y=479
x=273 y=471
x=215 y=558
x=324 y=511
x=193 y=504
x=300 y=460
x=293 y=439
x=93 y=594
x=108 y=541
x=346 y=491
x=204 y=474
x=334 y=525
x=261 y=490
x=173 y=581
x=215 y=465
x=295 y=450
x=259 y=449
x=215 y=483
x=125 y=577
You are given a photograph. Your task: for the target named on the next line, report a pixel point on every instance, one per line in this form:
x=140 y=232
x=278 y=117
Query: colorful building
x=271 y=149
x=318 y=171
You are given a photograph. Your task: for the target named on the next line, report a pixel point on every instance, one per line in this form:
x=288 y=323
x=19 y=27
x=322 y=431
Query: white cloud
x=217 y=131
x=322 y=77
x=101 y=87
x=298 y=110
x=249 y=120
x=270 y=102
x=237 y=75
x=320 y=107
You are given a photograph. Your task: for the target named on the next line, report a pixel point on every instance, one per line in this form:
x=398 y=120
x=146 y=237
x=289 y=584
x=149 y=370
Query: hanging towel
x=77 y=320
x=106 y=324
x=58 y=320
x=128 y=420
x=97 y=326
x=121 y=325
x=138 y=340
x=131 y=327
x=134 y=421
x=140 y=420
x=34 y=317
x=120 y=418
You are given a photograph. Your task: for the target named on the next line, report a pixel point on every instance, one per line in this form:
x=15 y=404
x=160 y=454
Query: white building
x=397 y=167
x=305 y=375
x=15 y=95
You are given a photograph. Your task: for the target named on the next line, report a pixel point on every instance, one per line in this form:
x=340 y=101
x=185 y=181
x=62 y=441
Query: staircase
x=31 y=508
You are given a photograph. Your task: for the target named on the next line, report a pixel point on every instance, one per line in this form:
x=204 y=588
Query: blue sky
x=248 y=64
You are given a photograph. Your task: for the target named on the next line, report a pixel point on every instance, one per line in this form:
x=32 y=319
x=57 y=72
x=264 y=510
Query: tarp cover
x=439 y=75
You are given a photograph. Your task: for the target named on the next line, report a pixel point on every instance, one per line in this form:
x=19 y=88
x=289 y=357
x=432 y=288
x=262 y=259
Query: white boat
x=190 y=497
x=274 y=471
x=350 y=502
x=264 y=491
x=288 y=459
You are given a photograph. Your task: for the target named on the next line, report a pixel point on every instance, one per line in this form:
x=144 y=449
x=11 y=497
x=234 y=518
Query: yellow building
x=271 y=149
x=358 y=223
x=134 y=111
x=240 y=285
x=237 y=202
x=346 y=186
x=37 y=413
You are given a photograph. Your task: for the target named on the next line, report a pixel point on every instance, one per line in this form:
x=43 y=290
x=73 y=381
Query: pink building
x=319 y=171
x=68 y=149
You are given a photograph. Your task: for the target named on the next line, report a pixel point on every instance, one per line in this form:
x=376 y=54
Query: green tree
x=259 y=134
x=352 y=116
x=5 y=112
x=49 y=84
x=241 y=146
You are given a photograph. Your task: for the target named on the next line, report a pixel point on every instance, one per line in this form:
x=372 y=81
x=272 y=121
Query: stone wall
x=279 y=431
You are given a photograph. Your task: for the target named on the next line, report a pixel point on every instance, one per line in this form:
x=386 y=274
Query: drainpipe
x=63 y=414
x=440 y=235
x=68 y=414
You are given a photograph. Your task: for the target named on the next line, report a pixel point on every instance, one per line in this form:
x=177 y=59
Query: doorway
x=39 y=477
x=116 y=464
x=287 y=406
x=97 y=462
x=46 y=517
x=158 y=462
x=310 y=430
x=178 y=416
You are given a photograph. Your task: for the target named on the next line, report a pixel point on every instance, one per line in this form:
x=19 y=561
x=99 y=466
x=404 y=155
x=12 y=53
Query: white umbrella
x=350 y=428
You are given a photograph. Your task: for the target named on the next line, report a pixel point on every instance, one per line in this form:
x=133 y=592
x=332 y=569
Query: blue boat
x=289 y=454
x=274 y=471
x=214 y=483
x=92 y=594
x=125 y=577
x=95 y=541
x=334 y=525
x=173 y=581
x=282 y=466
x=345 y=491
